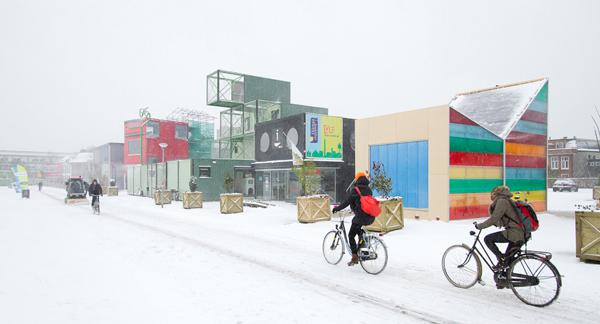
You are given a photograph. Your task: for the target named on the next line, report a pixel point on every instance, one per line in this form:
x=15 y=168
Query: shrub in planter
x=391 y=217
x=311 y=207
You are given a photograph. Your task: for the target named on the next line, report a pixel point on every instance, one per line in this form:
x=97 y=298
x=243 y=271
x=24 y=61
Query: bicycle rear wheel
x=333 y=248
x=534 y=280
x=377 y=259
x=461 y=267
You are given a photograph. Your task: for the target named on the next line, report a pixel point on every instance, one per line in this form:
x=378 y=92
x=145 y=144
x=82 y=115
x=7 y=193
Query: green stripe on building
x=526 y=184
x=473 y=185
x=461 y=144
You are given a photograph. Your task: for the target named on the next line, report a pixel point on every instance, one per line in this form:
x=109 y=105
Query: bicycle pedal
x=481 y=282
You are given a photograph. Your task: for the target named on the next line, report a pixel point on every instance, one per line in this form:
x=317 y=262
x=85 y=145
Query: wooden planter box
x=313 y=209
x=596 y=193
x=587 y=235
x=113 y=191
x=391 y=217
x=192 y=199
x=232 y=203
x=162 y=197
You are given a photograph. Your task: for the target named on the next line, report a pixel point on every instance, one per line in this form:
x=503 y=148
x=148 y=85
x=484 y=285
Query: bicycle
x=96 y=204
x=530 y=274
x=372 y=254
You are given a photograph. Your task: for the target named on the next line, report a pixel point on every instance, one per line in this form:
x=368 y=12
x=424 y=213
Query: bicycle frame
x=487 y=259
x=345 y=242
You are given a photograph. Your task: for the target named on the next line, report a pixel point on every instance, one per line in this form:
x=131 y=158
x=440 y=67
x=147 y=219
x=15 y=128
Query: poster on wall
x=324 y=135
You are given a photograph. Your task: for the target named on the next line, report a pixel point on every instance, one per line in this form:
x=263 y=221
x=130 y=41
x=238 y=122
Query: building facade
x=445 y=160
x=328 y=141
x=574 y=158
x=47 y=167
x=155 y=131
x=108 y=164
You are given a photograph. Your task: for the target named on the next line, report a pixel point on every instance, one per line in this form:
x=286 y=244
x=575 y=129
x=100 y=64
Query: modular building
x=328 y=141
x=154 y=132
x=445 y=160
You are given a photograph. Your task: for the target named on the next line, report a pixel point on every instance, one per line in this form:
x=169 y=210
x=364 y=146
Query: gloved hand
x=334 y=210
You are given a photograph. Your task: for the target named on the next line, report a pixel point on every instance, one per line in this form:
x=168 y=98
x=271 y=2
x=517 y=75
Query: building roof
x=498 y=109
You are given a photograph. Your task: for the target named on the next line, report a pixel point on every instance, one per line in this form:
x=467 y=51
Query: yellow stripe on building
x=525 y=150
x=476 y=199
x=475 y=172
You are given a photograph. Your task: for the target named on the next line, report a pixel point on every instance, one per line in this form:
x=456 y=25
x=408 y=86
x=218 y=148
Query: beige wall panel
x=429 y=124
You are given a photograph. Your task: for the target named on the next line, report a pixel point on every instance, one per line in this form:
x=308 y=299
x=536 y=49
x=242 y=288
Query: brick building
x=574 y=158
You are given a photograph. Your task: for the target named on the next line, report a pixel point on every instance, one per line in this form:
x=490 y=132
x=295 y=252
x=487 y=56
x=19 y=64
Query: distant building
x=156 y=131
x=575 y=158
x=108 y=164
x=41 y=166
x=79 y=165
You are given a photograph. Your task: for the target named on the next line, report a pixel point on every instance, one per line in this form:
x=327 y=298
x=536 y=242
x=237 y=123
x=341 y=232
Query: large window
x=564 y=163
x=554 y=162
x=152 y=129
x=133 y=147
x=181 y=132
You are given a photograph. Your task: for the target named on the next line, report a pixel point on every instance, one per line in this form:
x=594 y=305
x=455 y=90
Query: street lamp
x=163 y=146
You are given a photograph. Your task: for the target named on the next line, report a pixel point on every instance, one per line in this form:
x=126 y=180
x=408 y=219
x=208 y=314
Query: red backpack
x=529 y=220
x=368 y=204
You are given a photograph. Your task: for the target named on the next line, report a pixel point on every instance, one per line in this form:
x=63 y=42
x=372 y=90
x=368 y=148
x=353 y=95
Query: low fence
x=144 y=180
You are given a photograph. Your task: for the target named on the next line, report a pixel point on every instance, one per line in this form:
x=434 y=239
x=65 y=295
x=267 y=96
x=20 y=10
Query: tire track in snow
x=336 y=288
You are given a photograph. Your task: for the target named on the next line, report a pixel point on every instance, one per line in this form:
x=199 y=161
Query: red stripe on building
x=477 y=159
x=535 y=116
x=519 y=161
x=526 y=138
x=458 y=118
x=467 y=212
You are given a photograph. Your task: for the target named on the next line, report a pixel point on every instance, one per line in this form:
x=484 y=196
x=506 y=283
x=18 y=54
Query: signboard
x=21 y=177
x=324 y=135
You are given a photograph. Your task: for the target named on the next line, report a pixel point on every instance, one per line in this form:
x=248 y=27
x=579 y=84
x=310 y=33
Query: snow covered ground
x=138 y=263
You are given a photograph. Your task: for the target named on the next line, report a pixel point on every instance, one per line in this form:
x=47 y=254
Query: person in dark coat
x=504 y=215
x=86 y=187
x=95 y=190
x=360 y=217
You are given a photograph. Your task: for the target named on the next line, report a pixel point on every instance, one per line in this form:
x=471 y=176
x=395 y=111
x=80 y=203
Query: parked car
x=565 y=185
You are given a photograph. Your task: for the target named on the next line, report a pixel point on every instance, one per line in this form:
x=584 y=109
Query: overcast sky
x=72 y=71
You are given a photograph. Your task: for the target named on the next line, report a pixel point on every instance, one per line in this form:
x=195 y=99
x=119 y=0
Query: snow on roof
x=498 y=109
x=82 y=157
x=571 y=144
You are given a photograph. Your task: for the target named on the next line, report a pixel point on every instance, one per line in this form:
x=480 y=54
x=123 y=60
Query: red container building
x=156 y=131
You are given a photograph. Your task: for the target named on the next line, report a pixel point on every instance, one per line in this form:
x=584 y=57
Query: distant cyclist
x=361 y=218
x=40 y=185
x=504 y=215
x=95 y=190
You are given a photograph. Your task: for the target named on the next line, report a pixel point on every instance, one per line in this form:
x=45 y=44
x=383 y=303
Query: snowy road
x=140 y=263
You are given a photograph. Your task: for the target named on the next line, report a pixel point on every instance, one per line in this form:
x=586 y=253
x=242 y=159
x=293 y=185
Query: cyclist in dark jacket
x=360 y=217
x=95 y=190
x=503 y=215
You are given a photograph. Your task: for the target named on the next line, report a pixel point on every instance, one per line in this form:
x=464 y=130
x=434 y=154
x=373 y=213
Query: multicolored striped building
x=480 y=140
x=498 y=136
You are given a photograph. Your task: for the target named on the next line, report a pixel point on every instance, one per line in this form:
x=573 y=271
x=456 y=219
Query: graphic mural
x=324 y=135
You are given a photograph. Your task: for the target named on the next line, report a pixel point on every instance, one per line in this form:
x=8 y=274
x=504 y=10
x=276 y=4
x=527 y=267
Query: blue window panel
x=407 y=165
x=530 y=127
x=525 y=173
x=539 y=106
x=471 y=131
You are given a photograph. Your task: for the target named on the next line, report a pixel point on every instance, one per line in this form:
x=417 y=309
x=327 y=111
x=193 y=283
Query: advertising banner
x=324 y=135
x=21 y=177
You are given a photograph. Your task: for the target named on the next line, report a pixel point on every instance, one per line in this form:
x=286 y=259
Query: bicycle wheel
x=333 y=248
x=461 y=267
x=534 y=280
x=377 y=259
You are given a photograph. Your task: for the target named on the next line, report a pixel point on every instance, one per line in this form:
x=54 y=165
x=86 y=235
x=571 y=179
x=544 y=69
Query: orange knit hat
x=360 y=174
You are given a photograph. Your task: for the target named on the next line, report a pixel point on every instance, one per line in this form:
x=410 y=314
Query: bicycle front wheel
x=534 y=280
x=377 y=259
x=461 y=266
x=333 y=248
